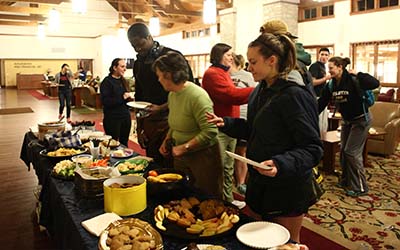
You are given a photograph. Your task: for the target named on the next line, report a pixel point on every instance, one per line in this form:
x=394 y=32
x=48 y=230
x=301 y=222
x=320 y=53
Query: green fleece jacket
x=187 y=116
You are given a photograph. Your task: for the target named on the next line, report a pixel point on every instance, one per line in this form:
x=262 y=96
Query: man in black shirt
x=153 y=126
x=320 y=78
x=318 y=71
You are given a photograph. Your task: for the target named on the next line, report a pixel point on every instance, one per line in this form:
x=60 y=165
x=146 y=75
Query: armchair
x=90 y=97
x=385 y=118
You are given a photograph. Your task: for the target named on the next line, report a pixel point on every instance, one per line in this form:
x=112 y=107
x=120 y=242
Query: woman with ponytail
x=346 y=90
x=114 y=96
x=281 y=132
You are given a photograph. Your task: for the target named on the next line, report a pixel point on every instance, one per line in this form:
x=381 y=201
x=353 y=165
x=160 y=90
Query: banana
x=159 y=216
x=169 y=177
x=235 y=219
x=195 y=229
x=223 y=229
x=208 y=232
x=159 y=225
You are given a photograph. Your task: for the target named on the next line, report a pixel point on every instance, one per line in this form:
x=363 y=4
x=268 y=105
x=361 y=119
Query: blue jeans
x=65 y=96
x=353 y=137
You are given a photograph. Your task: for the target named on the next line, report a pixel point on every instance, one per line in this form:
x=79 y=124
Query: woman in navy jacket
x=346 y=91
x=281 y=131
x=114 y=96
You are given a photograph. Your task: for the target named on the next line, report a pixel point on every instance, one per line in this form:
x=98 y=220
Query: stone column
x=240 y=24
x=285 y=10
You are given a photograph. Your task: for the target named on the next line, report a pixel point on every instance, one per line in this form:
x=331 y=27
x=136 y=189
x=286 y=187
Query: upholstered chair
x=386 y=123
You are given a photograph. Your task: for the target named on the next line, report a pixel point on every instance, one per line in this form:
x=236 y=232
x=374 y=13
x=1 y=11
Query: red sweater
x=226 y=97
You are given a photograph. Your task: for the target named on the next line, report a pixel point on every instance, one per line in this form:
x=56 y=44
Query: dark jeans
x=119 y=129
x=353 y=137
x=65 y=96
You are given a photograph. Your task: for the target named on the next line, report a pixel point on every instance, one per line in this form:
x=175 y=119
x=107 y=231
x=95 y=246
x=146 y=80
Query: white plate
x=262 y=234
x=201 y=246
x=248 y=161
x=138 y=105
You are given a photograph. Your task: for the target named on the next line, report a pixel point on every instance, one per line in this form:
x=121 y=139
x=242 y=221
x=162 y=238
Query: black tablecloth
x=63 y=209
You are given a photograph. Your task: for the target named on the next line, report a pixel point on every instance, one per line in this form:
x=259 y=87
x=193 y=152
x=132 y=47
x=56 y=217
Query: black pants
x=119 y=129
x=64 y=96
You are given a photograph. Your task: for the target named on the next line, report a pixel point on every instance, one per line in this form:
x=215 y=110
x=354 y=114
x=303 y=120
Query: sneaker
x=356 y=193
x=239 y=204
x=242 y=189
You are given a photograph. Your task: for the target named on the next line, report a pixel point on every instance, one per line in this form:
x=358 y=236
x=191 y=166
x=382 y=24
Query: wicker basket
x=90 y=188
x=50 y=127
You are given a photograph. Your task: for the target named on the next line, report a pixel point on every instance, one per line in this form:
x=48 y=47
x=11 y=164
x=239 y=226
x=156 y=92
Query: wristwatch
x=187 y=146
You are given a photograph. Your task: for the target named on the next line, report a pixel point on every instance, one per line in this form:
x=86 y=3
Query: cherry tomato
x=153 y=173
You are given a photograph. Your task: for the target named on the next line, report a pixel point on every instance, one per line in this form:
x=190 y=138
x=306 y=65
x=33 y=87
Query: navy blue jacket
x=114 y=104
x=282 y=125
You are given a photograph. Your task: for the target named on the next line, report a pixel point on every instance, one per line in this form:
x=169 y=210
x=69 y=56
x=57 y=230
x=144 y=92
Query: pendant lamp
x=154 y=26
x=209 y=11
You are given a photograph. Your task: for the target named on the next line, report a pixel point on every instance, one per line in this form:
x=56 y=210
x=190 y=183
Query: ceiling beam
x=39 y=18
x=14 y=23
x=42 y=10
x=42 y=1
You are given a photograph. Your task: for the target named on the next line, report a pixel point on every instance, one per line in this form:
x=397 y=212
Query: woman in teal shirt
x=191 y=140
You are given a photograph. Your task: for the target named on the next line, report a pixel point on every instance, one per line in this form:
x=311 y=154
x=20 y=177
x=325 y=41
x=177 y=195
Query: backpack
x=366 y=95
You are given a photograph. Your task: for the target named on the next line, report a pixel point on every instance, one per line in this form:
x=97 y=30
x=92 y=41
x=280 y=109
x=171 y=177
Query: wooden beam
x=42 y=1
x=42 y=10
x=39 y=18
x=14 y=23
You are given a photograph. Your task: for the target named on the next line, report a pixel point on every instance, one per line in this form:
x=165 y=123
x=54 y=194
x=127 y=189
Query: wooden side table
x=331 y=141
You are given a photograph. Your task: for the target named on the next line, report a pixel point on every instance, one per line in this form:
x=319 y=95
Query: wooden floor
x=19 y=229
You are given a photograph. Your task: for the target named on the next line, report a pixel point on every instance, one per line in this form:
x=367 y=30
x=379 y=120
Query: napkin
x=97 y=224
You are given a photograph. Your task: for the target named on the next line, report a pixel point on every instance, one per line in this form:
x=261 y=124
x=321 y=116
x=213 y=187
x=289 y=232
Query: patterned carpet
x=366 y=222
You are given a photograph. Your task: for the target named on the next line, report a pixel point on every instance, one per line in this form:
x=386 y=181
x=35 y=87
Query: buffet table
x=63 y=209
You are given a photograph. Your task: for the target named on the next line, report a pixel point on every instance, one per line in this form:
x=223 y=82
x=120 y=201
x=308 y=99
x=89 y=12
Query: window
x=327 y=10
x=314 y=11
x=379 y=59
x=196 y=33
x=367 y=5
x=198 y=63
x=387 y=3
x=310 y=13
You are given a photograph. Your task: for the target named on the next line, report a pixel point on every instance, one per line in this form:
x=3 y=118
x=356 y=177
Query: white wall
x=111 y=47
x=344 y=28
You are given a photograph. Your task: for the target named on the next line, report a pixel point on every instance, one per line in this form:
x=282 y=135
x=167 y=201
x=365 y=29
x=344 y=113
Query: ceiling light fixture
x=209 y=11
x=79 y=6
x=154 y=26
x=54 y=20
x=41 y=33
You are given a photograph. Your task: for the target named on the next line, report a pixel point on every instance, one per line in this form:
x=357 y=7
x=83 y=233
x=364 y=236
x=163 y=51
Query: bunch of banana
x=164 y=178
x=159 y=214
x=213 y=226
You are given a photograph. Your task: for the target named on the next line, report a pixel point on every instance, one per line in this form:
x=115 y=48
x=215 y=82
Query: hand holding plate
x=267 y=172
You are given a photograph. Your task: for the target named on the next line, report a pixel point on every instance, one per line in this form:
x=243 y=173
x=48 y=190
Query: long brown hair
x=281 y=46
